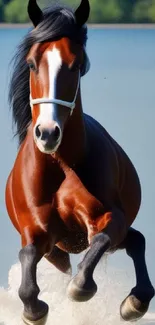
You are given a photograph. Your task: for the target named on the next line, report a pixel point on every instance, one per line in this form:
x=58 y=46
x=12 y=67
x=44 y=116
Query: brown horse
x=72 y=186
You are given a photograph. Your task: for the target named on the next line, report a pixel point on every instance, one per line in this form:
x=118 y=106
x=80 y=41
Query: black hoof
x=133 y=309
x=80 y=293
x=37 y=316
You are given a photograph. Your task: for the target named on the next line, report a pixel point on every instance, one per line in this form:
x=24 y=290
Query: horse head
x=56 y=66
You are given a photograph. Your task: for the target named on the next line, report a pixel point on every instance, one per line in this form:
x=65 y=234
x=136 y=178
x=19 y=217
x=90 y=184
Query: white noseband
x=45 y=100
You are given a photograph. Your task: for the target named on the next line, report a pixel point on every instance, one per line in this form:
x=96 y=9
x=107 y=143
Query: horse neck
x=73 y=146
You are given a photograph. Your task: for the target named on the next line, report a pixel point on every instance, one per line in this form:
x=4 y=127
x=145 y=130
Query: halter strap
x=46 y=100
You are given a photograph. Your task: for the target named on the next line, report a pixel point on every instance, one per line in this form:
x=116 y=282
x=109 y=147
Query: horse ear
x=82 y=12
x=34 y=12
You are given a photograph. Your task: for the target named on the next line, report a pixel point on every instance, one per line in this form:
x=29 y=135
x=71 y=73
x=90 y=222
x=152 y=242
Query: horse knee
x=29 y=254
x=102 y=239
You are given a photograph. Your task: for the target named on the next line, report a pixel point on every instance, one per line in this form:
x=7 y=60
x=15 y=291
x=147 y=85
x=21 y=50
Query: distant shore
x=92 y=26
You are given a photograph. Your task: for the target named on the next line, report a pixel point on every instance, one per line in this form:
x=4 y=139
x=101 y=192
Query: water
x=119 y=92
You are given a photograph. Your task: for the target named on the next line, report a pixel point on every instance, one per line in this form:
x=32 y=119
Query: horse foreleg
x=60 y=260
x=111 y=231
x=35 y=310
x=137 y=302
x=82 y=287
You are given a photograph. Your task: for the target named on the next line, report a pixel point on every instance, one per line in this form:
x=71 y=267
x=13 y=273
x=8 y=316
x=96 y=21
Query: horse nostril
x=45 y=135
x=56 y=132
x=37 y=131
x=48 y=135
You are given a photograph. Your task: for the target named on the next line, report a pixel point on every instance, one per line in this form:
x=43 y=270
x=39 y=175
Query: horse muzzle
x=48 y=137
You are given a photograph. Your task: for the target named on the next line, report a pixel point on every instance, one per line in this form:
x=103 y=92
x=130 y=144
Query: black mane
x=58 y=22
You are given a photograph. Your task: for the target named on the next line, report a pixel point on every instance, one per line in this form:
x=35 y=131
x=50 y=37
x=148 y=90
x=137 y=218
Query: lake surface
x=119 y=91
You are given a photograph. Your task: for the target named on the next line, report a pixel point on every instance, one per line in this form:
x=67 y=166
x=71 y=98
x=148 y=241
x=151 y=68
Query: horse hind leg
x=137 y=302
x=35 y=310
x=60 y=260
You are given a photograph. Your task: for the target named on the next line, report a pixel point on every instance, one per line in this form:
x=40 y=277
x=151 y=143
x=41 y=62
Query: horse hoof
x=80 y=294
x=38 y=317
x=133 y=309
x=41 y=321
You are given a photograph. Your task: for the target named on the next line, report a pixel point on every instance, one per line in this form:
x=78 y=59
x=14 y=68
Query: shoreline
x=91 y=26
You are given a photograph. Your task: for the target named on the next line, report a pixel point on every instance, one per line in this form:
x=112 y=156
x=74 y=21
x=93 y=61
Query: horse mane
x=58 y=22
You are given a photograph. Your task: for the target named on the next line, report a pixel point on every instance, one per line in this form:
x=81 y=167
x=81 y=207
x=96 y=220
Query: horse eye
x=32 y=66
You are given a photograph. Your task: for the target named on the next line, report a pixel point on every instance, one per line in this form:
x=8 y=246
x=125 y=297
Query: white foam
x=113 y=286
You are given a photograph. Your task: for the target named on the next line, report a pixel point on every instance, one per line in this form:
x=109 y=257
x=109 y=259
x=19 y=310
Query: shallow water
x=119 y=92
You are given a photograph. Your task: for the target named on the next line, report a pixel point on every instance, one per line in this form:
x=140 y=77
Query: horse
x=72 y=186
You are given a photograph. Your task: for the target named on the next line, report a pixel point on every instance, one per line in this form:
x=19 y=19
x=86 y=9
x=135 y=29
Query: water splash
x=113 y=286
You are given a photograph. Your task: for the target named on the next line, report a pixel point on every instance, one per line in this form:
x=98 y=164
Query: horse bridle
x=46 y=100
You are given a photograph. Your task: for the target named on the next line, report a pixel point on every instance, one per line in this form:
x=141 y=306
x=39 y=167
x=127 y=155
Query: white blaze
x=54 y=61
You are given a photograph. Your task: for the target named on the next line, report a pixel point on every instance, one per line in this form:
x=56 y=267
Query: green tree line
x=102 y=11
